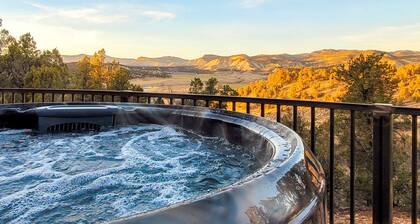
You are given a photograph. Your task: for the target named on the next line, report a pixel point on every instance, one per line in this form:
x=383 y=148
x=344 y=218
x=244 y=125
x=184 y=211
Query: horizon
x=249 y=55
x=187 y=29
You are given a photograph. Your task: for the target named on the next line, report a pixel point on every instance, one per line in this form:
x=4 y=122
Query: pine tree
x=211 y=86
x=196 y=86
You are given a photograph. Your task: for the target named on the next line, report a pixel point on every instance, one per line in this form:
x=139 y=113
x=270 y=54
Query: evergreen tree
x=211 y=86
x=120 y=80
x=226 y=90
x=18 y=59
x=5 y=40
x=196 y=86
x=81 y=78
x=50 y=72
x=369 y=79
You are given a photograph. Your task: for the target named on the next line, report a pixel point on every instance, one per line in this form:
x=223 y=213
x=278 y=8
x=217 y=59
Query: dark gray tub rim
x=274 y=164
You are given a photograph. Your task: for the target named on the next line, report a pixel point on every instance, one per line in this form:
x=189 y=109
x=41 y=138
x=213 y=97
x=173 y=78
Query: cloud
x=158 y=15
x=99 y=14
x=87 y=28
x=91 y=15
x=251 y=3
x=386 y=37
x=64 y=38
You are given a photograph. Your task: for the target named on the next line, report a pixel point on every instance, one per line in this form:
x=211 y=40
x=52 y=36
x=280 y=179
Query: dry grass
x=180 y=82
x=365 y=216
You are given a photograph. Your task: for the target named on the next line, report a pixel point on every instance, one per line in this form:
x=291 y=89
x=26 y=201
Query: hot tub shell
x=289 y=186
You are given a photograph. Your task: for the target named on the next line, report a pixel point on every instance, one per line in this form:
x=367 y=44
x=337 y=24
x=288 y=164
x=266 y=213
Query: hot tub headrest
x=76 y=111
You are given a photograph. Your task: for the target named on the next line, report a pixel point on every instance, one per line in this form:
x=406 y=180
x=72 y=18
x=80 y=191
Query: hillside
x=322 y=84
x=166 y=61
x=262 y=63
x=108 y=59
x=240 y=62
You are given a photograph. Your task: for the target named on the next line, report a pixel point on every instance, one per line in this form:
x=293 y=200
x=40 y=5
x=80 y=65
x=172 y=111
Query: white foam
x=144 y=160
x=14 y=131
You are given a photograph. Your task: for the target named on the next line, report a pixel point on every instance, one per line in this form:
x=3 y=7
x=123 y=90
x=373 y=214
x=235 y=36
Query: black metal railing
x=382 y=132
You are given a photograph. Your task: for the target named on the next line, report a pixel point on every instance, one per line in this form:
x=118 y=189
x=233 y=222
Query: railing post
x=331 y=163
x=295 y=118
x=313 y=129
x=352 y=164
x=124 y=98
x=382 y=165
x=413 y=169
x=262 y=110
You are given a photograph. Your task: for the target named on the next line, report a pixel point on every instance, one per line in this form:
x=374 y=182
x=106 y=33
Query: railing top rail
x=285 y=102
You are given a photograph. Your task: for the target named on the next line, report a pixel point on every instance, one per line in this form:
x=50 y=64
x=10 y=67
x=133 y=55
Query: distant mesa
x=260 y=63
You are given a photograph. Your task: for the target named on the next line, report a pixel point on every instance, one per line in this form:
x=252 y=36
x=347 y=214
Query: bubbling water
x=91 y=177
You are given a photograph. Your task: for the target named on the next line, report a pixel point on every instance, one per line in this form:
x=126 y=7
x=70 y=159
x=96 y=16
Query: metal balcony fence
x=382 y=135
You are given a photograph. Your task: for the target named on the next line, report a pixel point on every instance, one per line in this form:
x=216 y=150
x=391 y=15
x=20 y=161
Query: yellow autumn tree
x=297 y=83
x=408 y=78
x=97 y=71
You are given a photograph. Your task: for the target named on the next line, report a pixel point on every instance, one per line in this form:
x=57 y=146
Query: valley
x=179 y=82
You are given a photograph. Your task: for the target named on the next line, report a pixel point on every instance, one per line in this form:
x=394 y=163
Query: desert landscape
x=179 y=82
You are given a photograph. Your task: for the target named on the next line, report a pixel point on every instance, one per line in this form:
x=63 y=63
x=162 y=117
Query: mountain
x=239 y=62
x=124 y=61
x=166 y=61
x=245 y=63
x=330 y=57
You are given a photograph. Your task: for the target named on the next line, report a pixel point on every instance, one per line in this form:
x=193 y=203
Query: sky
x=192 y=28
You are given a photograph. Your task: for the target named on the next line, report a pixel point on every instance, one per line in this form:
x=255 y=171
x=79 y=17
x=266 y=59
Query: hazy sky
x=191 y=28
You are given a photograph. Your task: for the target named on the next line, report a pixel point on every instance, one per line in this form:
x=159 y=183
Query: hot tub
x=285 y=183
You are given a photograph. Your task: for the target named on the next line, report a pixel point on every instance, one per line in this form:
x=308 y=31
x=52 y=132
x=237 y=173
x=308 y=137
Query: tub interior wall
x=234 y=133
x=9 y=118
